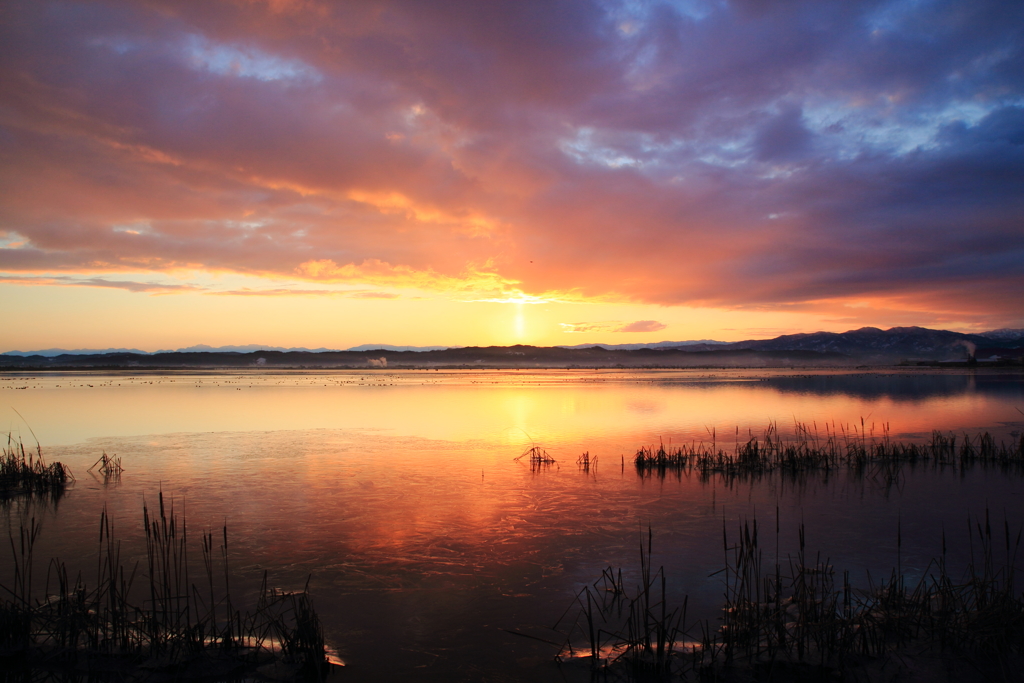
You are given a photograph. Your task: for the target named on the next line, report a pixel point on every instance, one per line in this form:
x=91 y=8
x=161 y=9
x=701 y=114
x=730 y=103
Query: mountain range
x=203 y=348
x=907 y=342
x=198 y=348
x=867 y=345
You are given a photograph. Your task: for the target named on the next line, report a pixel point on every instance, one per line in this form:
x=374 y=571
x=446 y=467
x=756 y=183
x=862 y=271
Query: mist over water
x=399 y=494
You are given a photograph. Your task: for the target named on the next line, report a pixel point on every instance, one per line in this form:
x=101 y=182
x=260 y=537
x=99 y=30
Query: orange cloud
x=63 y=281
x=643 y=326
x=472 y=281
x=637 y=326
x=521 y=154
x=282 y=291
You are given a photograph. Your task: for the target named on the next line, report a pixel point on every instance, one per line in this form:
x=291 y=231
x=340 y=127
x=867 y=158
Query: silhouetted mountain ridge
x=869 y=345
x=867 y=341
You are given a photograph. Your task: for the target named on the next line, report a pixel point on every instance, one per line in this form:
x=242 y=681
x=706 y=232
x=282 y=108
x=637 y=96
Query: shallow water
x=399 y=493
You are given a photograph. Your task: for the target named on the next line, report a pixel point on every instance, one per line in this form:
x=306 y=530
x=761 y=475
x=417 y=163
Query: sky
x=327 y=174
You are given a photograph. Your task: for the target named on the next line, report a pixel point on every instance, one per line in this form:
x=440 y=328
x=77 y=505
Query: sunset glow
x=323 y=174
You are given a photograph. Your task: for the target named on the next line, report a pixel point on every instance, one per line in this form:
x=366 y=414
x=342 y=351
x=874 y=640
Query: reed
x=804 y=616
x=622 y=628
x=26 y=471
x=833 y=450
x=586 y=461
x=801 y=619
x=109 y=466
x=166 y=624
x=537 y=457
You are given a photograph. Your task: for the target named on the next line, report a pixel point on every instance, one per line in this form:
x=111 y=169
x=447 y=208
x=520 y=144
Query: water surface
x=399 y=492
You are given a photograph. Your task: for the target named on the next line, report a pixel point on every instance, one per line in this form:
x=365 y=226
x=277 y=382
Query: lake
x=399 y=496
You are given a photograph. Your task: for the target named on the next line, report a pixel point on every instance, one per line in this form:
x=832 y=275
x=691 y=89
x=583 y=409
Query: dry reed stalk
x=26 y=472
x=168 y=627
x=837 y=449
x=797 y=620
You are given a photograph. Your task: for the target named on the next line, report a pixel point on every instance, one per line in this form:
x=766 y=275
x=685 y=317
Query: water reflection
x=400 y=493
x=618 y=409
x=905 y=386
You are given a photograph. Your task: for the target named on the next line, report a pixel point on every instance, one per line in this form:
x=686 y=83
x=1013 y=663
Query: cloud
x=65 y=281
x=573 y=328
x=374 y=270
x=784 y=137
x=643 y=326
x=637 y=326
x=287 y=291
x=164 y=288
x=732 y=154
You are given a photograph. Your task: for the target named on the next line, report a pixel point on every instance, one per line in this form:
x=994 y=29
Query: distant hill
x=247 y=348
x=469 y=357
x=204 y=348
x=71 y=352
x=908 y=342
x=389 y=347
x=656 y=345
x=868 y=345
x=1005 y=334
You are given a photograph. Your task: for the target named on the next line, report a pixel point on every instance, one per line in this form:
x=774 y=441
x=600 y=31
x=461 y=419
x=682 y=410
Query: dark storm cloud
x=762 y=154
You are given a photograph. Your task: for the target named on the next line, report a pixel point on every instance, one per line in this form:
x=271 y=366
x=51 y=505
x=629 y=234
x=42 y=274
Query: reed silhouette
x=800 y=619
x=26 y=472
x=537 y=457
x=168 y=624
x=843 y=449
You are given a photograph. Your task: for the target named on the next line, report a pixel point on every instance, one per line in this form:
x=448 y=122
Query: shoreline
x=264 y=370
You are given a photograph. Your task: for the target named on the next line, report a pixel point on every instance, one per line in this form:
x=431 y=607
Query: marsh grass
x=801 y=615
x=586 y=461
x=158 y=622
x=631 y=628
x=108 y=466
x=537 y=457
x=801 y=619
x=832 y=450
x=26 y=472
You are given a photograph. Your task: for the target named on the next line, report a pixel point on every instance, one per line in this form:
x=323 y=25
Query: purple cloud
x=733 y=154
x=637 y=326
x=643 y=326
